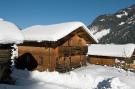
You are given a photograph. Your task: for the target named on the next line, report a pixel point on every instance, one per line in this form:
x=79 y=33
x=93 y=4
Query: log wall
x=5 y=63
x=45 y=57
x=5 y=55
x=75 y=41
x=101 y=60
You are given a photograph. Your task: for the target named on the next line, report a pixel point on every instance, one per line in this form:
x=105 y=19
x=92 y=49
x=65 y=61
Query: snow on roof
x=111 y=50
x=9 y=33
x=53 y=32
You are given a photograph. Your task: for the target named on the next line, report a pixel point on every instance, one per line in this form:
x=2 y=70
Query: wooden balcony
x=72 y=50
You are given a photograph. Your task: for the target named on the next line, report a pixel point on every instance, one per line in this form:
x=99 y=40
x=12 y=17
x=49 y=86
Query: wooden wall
x=110 y=61
x=101 y=60
x=45 y=57
x=78 y=59
x=75 y=41
x=5 y=55
x=75 y=48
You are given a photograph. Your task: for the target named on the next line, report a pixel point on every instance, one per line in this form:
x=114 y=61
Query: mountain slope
x=116 y=28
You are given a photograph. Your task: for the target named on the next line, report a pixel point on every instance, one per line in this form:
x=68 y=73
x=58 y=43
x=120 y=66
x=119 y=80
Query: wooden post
x=49 y=58
x=70 y=53
x=80 y=47
x=80 y=55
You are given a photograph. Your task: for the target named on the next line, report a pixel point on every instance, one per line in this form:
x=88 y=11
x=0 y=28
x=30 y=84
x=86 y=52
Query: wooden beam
x=49 y=58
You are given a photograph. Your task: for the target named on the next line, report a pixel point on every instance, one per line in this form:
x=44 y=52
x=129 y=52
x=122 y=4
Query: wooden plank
x=101 y=60
x=5 y=55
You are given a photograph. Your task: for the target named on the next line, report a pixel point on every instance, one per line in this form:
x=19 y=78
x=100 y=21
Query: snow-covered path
x=89 y=77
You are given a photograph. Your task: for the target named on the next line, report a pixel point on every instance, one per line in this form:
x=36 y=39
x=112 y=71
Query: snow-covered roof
x=53 y=32
x=9 y=33
x=111 y=50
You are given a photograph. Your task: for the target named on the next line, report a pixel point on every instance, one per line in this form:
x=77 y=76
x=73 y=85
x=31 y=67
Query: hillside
x=118 y=28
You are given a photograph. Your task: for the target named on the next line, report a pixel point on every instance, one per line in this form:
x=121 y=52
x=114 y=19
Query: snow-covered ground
x=89 y=77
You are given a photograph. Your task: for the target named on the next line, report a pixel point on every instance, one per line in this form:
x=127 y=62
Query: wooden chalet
x=8 y=31
x=110 y=54
x=59 y=47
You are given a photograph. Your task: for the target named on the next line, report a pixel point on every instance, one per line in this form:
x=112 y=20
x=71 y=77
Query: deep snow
x=53 y=32
x=111 y=50
x=89 y=77
x=9 y=33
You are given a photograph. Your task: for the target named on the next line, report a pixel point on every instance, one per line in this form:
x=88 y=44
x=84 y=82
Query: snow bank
x=71 y=79
x=111 y=50
x=90 y=77
x=117 y=84
x=53 y=32
x=101 y=33
x=9 y=33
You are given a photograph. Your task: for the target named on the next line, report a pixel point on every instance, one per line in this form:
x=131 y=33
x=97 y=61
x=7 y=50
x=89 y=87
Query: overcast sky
x=26 y=13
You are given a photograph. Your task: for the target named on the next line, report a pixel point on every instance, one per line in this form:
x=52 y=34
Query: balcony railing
x=72 y=50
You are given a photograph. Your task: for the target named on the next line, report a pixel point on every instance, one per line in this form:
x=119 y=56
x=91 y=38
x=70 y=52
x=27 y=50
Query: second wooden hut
x=111 y=54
